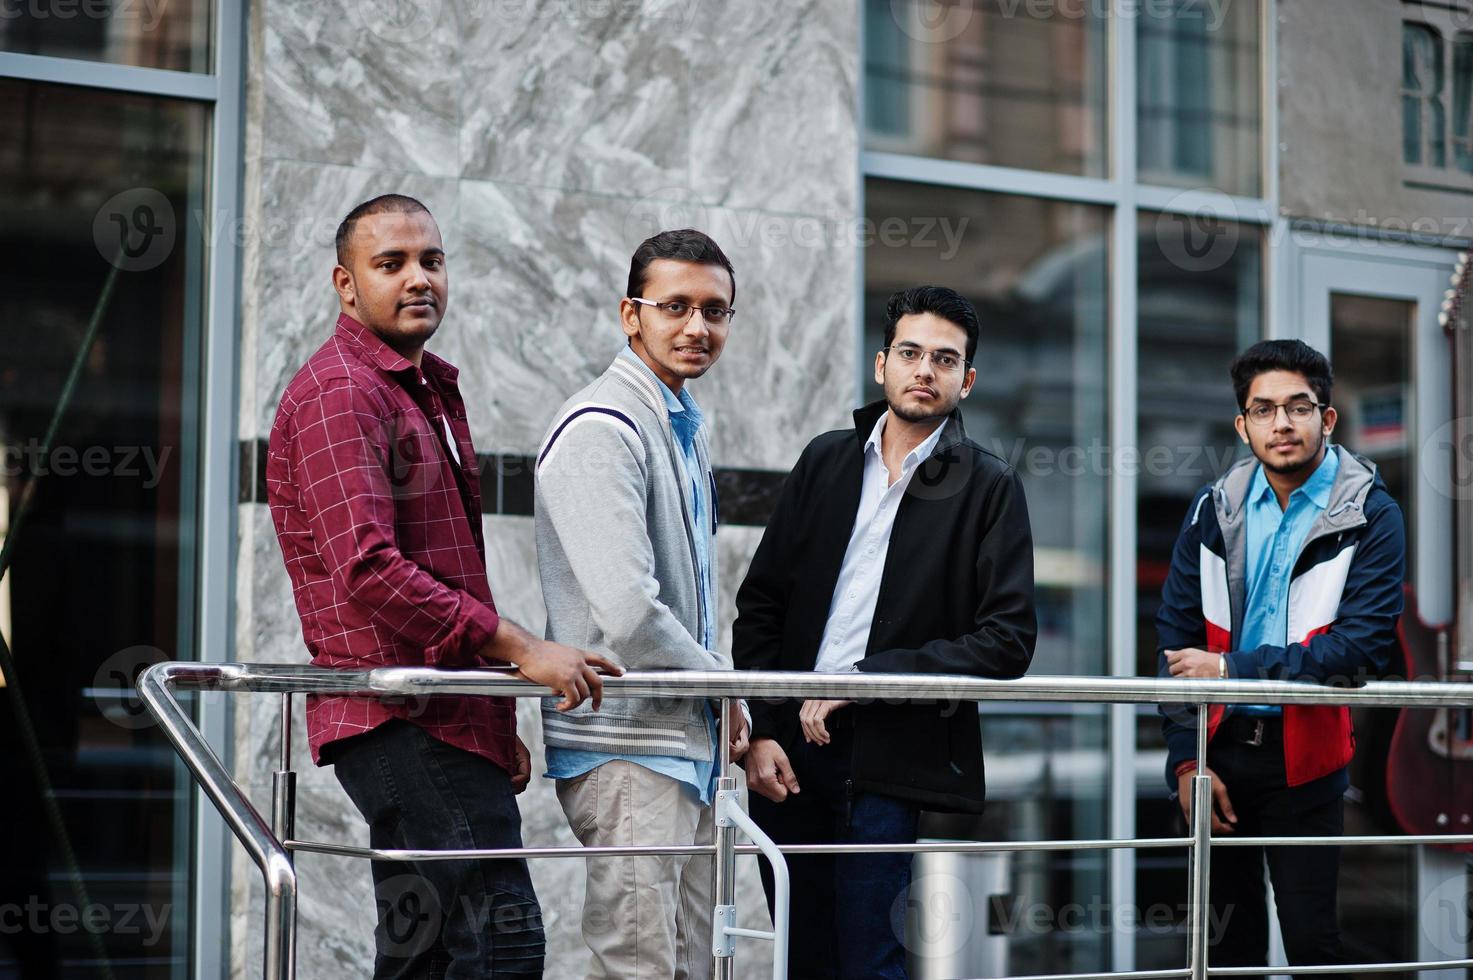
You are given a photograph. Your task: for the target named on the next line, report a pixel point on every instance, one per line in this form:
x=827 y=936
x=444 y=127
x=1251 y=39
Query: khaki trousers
x=644 y=917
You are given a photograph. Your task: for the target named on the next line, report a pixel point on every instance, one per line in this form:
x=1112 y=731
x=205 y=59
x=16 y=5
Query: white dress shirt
x=852 y=609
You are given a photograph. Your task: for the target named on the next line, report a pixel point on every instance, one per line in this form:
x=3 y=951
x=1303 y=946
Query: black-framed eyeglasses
x=715 y=315
x=1298 y=410
x=942 y=360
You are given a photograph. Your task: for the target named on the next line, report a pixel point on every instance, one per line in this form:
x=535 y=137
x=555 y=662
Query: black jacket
x=956 y=597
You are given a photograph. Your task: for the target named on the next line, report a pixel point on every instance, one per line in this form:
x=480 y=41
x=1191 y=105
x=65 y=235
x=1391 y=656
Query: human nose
x=418 y=278
x=695 y=321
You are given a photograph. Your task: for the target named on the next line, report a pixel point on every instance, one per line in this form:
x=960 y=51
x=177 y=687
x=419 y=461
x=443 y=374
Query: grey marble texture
x=576 y=95
x=364 y=83
x=773 y=105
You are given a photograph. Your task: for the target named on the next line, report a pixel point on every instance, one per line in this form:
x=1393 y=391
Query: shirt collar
x=915 y=456
x=1316 y=488
x=388 y=359
x=674 y=404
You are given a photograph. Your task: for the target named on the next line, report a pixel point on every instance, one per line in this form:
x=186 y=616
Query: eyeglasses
x=942 y=360
x=713 y=315
x=1298 y=410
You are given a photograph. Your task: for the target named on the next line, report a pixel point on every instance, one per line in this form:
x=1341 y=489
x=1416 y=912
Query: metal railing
x=272 y=843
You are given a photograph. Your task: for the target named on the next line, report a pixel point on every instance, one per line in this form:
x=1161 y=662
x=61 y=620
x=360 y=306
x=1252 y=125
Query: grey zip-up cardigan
x=617 y=559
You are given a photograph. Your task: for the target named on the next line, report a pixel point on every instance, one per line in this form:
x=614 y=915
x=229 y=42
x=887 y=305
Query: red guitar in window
x=1429 y=775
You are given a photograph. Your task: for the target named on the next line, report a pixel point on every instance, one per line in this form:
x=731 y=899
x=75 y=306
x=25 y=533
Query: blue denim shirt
x=1275 y=537
x=685 y=422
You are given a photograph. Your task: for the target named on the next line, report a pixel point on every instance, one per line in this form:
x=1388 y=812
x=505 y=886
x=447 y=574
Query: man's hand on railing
x=1223 y=816
x=568 y=671
x=736 y=726
x=769 y=772
x=1195 y=663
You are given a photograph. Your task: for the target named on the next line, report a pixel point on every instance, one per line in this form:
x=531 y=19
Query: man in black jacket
x=898 y=546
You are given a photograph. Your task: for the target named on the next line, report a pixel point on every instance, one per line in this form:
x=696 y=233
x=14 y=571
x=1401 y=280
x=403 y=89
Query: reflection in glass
x=1198 y=96
x=1036 y=271
x=172 y=34
x=102 y=576
x=983 y=83
x=1200 y=303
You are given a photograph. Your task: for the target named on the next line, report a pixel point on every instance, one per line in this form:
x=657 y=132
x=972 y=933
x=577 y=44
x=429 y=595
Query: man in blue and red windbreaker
x=1289 y=567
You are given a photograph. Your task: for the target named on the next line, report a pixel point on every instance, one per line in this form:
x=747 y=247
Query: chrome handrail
x=271 y=844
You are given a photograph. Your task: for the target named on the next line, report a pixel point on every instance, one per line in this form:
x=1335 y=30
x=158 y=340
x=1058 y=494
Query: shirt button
x=851 y=595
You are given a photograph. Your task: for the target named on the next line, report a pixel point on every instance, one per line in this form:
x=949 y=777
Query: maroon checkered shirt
x=381 y=532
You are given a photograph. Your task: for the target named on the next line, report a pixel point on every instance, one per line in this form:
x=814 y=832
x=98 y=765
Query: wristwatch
x=1222 y=667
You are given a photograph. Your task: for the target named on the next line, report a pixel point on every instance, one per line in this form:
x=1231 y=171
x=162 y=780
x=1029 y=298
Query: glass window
x=172 y=34
x=983 y=83
x=1200 y=304
x=1423 y=115
x=1036 y=270
x=98 y=193
x=1198 y=96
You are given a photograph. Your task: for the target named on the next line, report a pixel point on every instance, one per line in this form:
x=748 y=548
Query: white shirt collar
x=917 y=455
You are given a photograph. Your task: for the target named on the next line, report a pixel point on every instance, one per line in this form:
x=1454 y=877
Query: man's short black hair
x=1282 y=355
x=383 y=204
x=683 y=245
x=946 y=303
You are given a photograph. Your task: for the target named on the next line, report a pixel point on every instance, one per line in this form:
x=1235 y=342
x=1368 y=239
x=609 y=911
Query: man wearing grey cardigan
x=626 y=519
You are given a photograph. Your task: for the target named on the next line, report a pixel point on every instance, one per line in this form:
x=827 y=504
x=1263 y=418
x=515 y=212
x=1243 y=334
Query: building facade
x=1129 y=191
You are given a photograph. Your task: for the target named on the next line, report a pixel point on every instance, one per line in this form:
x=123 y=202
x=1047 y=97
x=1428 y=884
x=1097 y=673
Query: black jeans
x=441 y=920
x=1304 y=878
x=847 y=910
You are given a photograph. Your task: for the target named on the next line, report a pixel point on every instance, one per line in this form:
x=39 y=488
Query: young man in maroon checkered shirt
x=374 y=491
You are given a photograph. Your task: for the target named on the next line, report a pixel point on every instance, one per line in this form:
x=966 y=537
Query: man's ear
x=629 y=317
x=1241 y=424
x=880 y=368
x=342 y=281
x=970 y=380
x=1329 y=417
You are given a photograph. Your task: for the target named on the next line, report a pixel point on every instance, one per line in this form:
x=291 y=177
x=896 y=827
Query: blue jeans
x=847 y=910
x=441 y=920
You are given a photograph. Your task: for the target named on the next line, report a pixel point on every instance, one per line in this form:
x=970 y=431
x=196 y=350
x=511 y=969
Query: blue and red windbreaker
x=1345 y=596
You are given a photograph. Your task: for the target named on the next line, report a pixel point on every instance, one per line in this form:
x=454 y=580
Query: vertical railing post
x=284 y=780
x=1198 y=891
x=722 y=945
x=281 y=910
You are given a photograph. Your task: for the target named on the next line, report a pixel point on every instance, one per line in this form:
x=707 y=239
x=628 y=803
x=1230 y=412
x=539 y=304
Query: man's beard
x=915 y=417
x=1310 y=461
